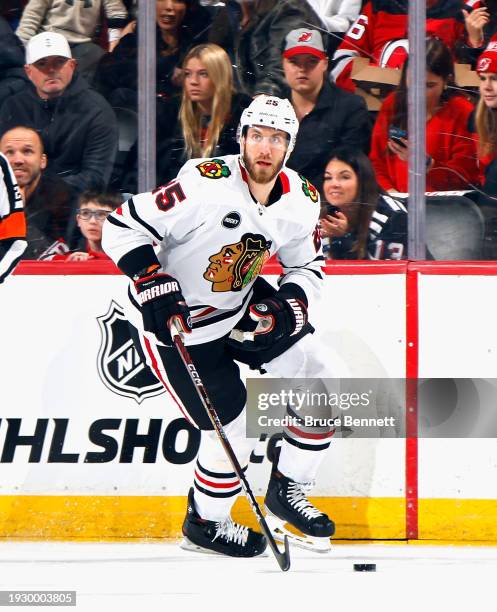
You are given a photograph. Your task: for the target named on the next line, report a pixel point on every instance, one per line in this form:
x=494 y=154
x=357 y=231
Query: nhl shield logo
x=120 y=366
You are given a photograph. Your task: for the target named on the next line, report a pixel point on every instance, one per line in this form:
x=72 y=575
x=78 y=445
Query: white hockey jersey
x=214 y=238
x=12 y=221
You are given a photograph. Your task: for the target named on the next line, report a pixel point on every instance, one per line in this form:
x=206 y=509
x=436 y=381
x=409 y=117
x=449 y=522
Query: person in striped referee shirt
x=12 y=221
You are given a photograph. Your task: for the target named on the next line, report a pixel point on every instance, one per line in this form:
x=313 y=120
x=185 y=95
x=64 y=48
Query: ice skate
x=222 y=538
x=289 y=512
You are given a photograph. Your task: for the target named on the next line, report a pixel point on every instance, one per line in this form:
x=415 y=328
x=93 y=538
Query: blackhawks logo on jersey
x=309 y=189
x=238 y=264
x=214 y=169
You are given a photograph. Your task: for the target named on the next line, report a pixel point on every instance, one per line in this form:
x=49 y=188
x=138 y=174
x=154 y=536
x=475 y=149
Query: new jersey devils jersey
x=12 y=221
x=214 y=238
x=380 y=33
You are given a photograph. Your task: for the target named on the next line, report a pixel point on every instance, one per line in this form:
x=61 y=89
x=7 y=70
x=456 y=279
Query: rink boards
x=92 y=448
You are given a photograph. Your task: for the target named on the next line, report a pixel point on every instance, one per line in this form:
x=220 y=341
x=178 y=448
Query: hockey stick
x=283 y=558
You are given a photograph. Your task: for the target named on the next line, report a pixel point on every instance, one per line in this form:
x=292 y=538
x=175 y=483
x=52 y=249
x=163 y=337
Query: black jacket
x=48 y=213
x=339 y=118
x=119 y=70
x=12 y=75
x=78 y=128
x=261 y=43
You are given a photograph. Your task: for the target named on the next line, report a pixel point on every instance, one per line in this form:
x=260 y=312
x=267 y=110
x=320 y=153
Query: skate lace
x=232 y=532
x=297 y=497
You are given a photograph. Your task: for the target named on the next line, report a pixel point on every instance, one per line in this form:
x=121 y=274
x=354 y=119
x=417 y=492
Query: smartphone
x=396 y=133
x=332 y=210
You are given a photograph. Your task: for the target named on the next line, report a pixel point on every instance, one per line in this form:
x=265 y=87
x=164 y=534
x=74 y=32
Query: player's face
x=51 y=75
x=488 y=88
x=197 y=84
x=264 y=153
x=23 y=149
x=90 y=218
x=340 y=184
x=170 y=15
x=304 y=72
x=220 y=270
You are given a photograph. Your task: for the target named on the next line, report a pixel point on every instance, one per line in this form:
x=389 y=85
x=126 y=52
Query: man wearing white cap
x=329 y=117
x=78 y=22
x=77 y=124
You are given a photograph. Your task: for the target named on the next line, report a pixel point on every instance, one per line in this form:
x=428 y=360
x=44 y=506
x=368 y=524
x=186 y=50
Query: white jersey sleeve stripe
x=138 y=219
x=11 y=257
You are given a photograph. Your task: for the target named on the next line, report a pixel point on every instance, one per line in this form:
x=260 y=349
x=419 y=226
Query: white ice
x=148 y=577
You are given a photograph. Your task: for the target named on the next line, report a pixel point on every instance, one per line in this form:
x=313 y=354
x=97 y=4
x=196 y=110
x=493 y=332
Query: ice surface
x=146 y=577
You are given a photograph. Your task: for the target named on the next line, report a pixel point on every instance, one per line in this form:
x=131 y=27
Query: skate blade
x=187 y=544
x=279 y=531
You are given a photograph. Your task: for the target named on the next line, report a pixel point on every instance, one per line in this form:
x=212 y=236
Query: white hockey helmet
x=270 y=111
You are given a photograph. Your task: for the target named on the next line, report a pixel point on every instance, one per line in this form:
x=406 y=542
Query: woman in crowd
x=486 y=120
x=358 y=219
x=205 y=119
x=180 y=25
x=450 y=159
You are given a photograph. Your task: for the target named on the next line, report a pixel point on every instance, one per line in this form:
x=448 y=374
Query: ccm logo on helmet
x=150 y=294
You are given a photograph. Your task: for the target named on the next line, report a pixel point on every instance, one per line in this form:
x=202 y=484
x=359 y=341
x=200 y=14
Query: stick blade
x=283 y=558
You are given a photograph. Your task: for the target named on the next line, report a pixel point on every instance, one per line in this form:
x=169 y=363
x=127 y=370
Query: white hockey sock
x=216 y=485
x=300 y=464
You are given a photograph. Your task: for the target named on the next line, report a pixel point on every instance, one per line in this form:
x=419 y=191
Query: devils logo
x=120 y=367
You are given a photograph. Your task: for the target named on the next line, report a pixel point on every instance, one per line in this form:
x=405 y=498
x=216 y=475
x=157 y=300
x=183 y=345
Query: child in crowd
x=93 y=209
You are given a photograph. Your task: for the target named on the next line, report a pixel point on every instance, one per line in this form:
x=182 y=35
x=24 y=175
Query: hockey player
x=12 y=221
x=215 y=226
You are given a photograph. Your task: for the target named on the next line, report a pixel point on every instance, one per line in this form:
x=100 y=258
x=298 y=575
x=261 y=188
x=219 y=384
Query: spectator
x=261 y=41
x=77 y=21
x=380 y=33
x=451 y=162
x=359 y=220
x=47 y=199
x=12 y=221
x=209 y=113
x=480 y=18
x=77 y=125
x=93 y=209
x=337 y=16
x=486 y=120
x=226 y=18
x=12 y=75
x=181 y=24
x=11 y=10
x=328 y=116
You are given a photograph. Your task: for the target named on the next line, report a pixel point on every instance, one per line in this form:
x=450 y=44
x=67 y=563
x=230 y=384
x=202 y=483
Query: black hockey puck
x=364 y=567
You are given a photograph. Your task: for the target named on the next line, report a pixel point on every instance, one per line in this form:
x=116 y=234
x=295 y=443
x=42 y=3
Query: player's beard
x=261 y=176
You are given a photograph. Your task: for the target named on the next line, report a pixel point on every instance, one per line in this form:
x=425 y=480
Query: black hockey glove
x=160 y=299
x=276 y=319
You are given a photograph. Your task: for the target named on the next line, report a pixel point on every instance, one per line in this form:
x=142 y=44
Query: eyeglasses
x=276 y=141
x=86 y=214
